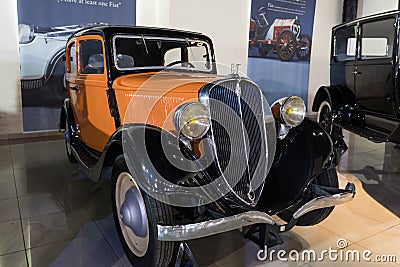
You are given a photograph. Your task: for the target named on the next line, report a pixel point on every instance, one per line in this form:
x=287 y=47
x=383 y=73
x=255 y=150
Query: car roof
x=367 y=18
x=107 y=31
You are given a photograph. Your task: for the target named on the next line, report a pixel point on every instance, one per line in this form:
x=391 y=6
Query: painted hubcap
x=132 y=214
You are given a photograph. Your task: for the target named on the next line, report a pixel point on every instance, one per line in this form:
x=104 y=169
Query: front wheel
x=325 y=119
x=328 y=178
x=136 y=216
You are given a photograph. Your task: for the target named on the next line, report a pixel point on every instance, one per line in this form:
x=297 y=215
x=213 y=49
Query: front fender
x=300 y=157
x=337 y=95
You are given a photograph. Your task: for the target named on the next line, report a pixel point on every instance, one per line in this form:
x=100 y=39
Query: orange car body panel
x=143 y=98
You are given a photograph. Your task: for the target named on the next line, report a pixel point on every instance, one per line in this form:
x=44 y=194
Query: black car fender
x=338 y=96
x=300 y=157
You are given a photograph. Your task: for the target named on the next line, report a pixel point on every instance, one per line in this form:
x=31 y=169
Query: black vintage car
x=192 y=153
x=363 y=96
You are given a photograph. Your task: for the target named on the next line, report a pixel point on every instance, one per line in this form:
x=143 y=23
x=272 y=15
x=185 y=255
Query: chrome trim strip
x=207 y=228
x=324 y=202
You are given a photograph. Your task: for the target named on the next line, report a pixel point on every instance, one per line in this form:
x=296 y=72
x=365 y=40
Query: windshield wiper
x=145 y=45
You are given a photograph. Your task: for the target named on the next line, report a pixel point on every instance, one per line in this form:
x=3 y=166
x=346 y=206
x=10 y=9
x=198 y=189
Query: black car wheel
x=68 y=146
x=263 y=50
x=325 y=119
x=329 y=179
x=136 y=215
x=304 y=47
x=286 y=45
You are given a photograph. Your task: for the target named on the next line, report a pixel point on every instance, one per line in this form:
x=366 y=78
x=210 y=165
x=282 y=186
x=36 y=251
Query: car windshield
x=135 y=52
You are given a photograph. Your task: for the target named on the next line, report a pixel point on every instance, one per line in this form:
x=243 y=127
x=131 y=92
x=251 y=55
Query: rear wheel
x=263 y=50
x=304 y=47
x=329 y=179
x=68 y=146
x=286 y=45
x=136 y=216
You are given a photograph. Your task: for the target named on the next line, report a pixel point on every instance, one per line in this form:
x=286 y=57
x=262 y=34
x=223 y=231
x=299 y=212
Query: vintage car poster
x=44 y=27
x=280 y=46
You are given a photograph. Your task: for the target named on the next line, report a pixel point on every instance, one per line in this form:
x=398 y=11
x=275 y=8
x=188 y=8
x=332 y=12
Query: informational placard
x=44 y=27
x=280 y=46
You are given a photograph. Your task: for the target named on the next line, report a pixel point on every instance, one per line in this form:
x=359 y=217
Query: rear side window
x=377 y=39
x=72 y=58
x=345 y=44
x=91 y=57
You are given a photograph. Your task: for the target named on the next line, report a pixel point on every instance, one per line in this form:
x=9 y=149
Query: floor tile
x=17 y=259
x=9 y=210
x=56 y=227
x=11 y=237
x=369 y=207
x=7 y=190
x=40 y=204
x=352 y=226
x=81 y=251
x=6 y=176
x=384 y=243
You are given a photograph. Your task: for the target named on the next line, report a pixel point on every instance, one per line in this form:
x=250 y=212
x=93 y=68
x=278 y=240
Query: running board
x=212 y=227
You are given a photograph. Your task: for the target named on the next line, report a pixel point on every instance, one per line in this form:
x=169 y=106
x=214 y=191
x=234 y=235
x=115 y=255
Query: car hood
x=179 y=82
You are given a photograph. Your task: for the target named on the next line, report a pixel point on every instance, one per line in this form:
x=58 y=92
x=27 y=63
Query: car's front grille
x=236 y=107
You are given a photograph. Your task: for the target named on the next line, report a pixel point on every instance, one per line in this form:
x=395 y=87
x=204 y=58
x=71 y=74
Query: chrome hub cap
x=132 y=214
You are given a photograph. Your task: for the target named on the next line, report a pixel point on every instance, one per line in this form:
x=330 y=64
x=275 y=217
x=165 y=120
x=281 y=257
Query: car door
x=374 y=69
x=88 y=95
x=344 y=56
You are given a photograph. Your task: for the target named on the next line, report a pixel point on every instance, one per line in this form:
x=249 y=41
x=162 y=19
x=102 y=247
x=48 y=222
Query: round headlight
x=293 y=111
x=192 y=120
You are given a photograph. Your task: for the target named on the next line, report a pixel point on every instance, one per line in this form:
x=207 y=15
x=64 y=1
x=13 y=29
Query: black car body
x=363 y=95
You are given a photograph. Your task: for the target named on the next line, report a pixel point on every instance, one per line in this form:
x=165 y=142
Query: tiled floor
x=52 y=215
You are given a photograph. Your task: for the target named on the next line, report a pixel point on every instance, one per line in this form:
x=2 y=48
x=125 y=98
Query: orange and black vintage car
x=192 y=153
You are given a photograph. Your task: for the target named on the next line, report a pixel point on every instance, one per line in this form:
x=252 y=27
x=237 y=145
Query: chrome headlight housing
x=289 y=110
x=293 y=111
x=193 y=120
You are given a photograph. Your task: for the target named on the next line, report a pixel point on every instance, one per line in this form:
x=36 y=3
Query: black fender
x=338 y=95
x=300 y=157
x=145 y=156
x=67 y=114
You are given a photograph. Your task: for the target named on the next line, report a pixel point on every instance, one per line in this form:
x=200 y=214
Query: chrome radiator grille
x=246 y=143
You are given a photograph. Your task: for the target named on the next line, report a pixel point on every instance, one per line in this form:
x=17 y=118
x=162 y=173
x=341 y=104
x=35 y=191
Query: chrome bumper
x=212 y=227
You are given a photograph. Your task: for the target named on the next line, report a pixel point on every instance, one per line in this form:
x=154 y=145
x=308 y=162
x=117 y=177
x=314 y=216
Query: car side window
x=72 y=58
x=91 y=57
x=345 y=44
x=378 y=39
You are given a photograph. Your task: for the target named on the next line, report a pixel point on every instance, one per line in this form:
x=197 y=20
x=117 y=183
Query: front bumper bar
x=212 y=227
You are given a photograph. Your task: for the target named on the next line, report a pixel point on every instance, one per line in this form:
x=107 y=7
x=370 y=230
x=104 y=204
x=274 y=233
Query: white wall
x=369 y=7
x=327 y=15
x=10 y=93
x=227 y=23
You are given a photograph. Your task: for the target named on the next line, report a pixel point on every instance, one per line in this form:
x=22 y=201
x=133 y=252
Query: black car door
x=374 y=68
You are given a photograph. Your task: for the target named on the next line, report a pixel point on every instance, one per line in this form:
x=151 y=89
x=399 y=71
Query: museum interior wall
x=224 y=22
x=369 y=7
x=10 y=99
